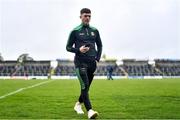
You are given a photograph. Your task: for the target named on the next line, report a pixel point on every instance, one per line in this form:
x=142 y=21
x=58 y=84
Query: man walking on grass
x=83 y=41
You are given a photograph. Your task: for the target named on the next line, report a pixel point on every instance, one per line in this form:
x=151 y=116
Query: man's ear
x=80 y=16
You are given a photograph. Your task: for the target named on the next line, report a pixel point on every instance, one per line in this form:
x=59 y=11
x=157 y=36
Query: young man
x=83 y=41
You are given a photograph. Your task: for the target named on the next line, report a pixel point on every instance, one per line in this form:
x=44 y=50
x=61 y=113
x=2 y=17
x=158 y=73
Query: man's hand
x=83 y=49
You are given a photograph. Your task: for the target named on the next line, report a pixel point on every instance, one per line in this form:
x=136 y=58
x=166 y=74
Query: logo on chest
x=92 y=34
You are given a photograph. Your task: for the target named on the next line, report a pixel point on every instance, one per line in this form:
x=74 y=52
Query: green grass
x=155 y=99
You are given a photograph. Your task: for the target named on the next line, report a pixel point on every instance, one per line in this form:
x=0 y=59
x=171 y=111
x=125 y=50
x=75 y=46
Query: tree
x=1 y=58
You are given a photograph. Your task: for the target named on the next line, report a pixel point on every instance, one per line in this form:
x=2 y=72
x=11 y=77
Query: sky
x=138 y=29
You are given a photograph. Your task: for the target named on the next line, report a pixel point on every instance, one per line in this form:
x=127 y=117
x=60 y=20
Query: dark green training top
x=85 y=35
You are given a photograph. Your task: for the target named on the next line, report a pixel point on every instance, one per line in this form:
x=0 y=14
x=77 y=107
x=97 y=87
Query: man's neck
x=85 y=25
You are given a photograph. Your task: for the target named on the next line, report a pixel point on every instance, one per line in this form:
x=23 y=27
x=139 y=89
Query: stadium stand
x=29 y=68
x=64 y=68
x=130 y=67
x=168 y=67
x=139 y=68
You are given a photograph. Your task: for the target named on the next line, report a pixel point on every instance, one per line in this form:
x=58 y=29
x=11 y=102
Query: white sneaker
x=78 y=108
x=92 y=114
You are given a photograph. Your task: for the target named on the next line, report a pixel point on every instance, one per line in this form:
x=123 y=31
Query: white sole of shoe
x=94 y=116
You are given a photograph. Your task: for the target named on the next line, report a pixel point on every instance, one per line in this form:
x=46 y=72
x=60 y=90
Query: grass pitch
x=118 y=99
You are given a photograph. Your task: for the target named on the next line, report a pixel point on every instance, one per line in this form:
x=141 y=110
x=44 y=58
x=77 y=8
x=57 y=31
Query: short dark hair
x=85 y=10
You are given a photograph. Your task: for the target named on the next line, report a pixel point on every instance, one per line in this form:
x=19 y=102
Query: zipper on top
x=87 y=32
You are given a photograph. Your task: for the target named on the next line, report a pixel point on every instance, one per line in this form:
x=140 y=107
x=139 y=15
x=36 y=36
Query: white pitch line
x=24 y=88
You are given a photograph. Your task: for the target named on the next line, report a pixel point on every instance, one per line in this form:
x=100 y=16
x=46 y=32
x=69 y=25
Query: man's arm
x=70 y=43
x=99 y=46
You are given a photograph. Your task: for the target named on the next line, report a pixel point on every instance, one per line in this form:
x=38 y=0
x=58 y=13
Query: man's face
x=85 y=18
